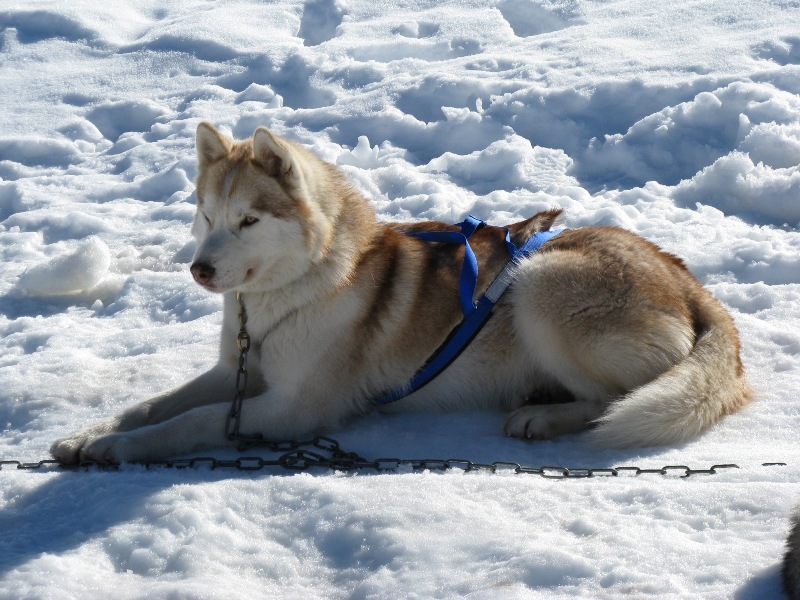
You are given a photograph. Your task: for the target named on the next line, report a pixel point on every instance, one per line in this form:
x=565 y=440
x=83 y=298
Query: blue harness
x=475 y=314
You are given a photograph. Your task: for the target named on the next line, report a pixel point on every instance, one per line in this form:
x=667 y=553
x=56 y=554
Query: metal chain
x=234 y=418
x=324 y=452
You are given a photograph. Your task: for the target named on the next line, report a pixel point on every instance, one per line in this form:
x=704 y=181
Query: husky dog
x=791 y=561
x=599 y=329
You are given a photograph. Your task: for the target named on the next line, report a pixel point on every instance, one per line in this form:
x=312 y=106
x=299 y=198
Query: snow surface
x=678 y=120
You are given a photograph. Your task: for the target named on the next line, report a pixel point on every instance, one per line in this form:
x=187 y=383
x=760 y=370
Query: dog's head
x=259 y=222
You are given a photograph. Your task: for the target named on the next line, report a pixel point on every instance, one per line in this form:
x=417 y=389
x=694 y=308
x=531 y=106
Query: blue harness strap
x=475 y=314
x=469 y=271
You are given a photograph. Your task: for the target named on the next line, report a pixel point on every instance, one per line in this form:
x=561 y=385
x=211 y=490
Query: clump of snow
x=510 y=164
x=363 y=155
x=773 y=144
x=78 y=270
x=737 y=186
x=261 y=94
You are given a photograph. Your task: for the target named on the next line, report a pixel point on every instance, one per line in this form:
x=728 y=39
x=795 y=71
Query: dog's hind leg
x=586 y=326
x=554 y=409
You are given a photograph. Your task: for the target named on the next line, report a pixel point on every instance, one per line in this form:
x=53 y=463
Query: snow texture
x=677 y=120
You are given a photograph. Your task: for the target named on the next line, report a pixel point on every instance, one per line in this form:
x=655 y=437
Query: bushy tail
x=688 y=398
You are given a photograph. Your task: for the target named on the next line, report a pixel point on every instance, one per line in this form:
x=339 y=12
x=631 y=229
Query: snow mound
x=736 y=185
x=78 y=271
x=679 y=141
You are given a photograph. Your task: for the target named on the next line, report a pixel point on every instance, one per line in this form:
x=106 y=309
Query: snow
x=680 y=121
x=68 y=273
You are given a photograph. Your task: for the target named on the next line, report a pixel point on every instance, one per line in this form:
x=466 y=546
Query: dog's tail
x=688 y=398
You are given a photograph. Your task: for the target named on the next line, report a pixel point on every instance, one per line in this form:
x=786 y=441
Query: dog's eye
x=208 y=221
x=247 y=221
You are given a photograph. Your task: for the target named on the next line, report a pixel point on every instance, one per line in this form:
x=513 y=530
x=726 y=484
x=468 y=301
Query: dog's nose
x=202 y=272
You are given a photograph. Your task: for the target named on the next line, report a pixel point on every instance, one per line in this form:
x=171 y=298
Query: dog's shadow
x=68 y=509
x=75 y=506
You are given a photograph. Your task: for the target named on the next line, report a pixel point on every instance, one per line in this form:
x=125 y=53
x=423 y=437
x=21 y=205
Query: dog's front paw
x=67 y=450
x=109 y=449
x=105 y=449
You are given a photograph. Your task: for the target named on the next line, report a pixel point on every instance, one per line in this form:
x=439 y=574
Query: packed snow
x=677 y=120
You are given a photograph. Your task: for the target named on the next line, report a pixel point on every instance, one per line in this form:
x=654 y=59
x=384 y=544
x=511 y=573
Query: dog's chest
x=292 y=341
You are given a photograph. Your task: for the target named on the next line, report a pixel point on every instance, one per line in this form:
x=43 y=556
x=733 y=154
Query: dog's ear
x=274 y=155
x=211 y=144
x=543 y=221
